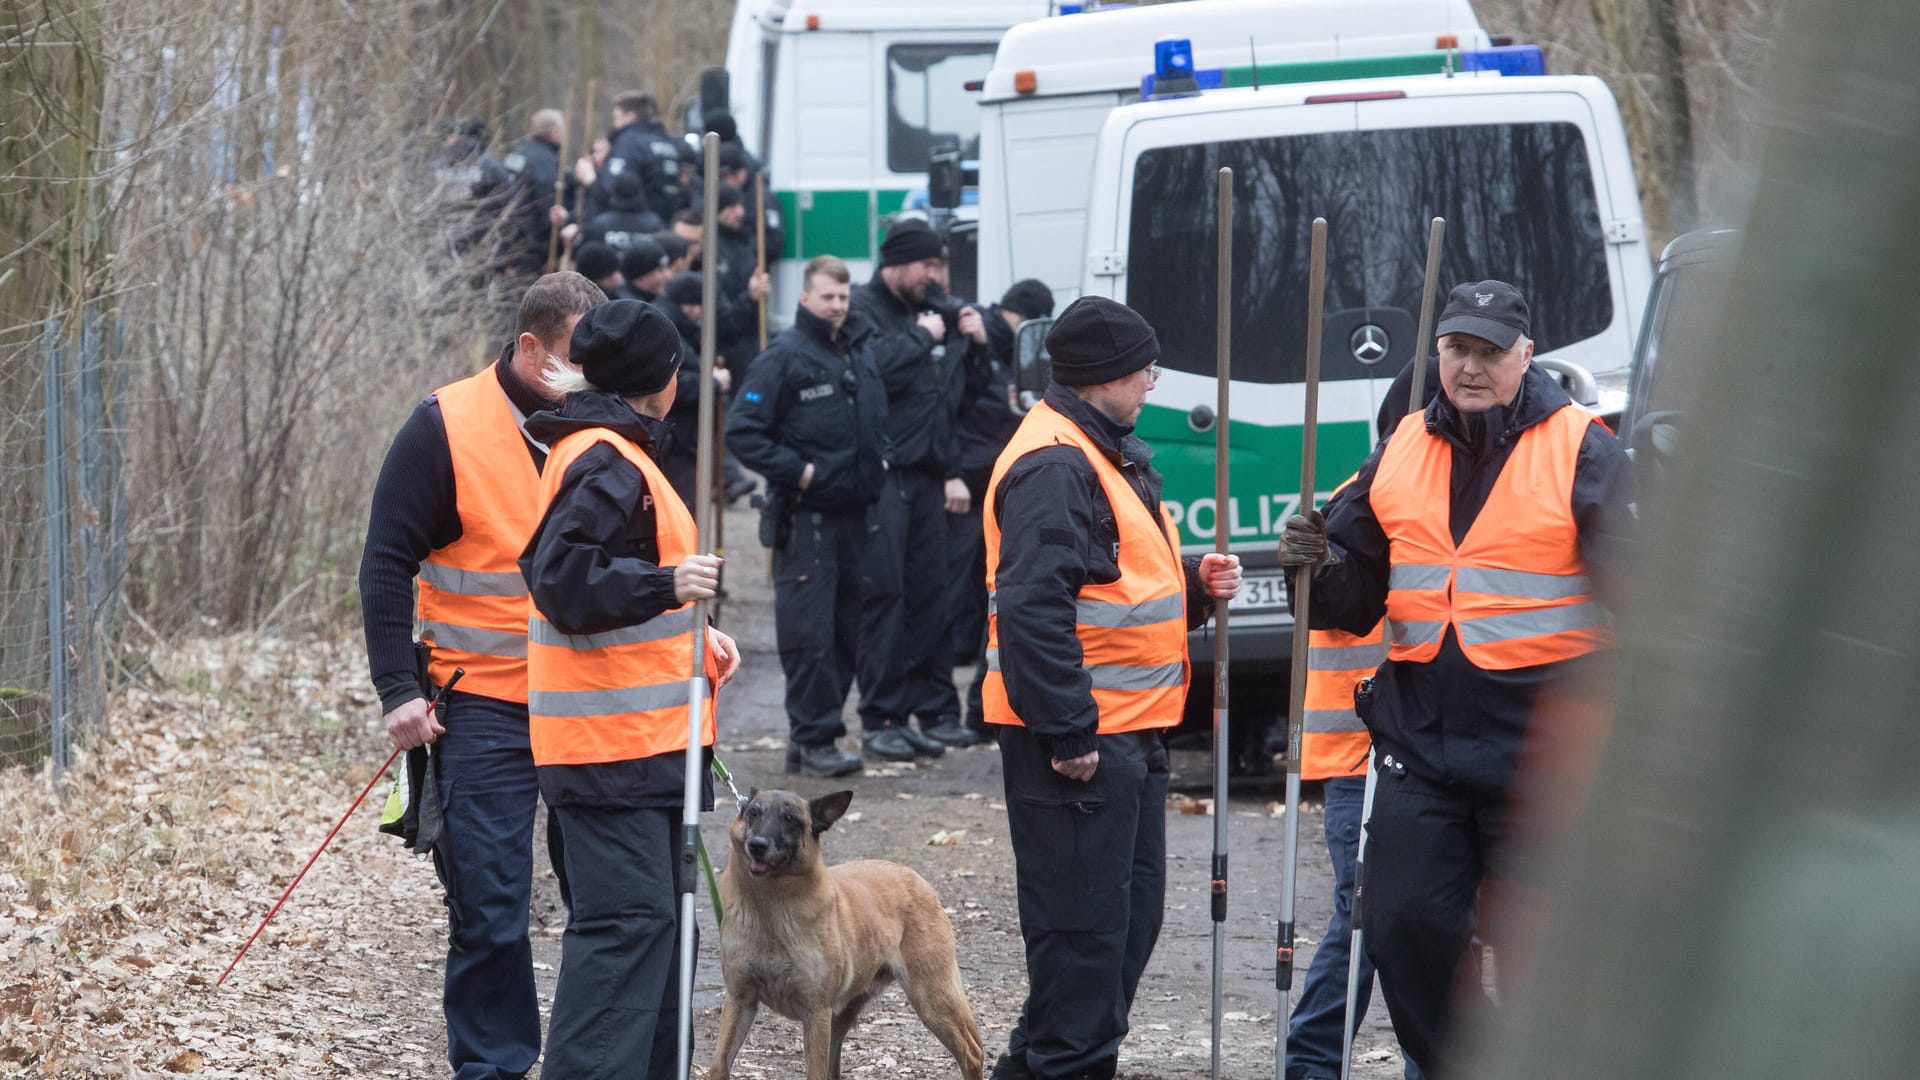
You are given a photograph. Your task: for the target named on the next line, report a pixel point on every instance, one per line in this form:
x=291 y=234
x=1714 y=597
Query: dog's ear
x=827 y=809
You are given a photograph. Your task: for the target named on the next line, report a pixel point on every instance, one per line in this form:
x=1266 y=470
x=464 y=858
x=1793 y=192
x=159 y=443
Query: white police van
x=1531 y=171
x=845 y=100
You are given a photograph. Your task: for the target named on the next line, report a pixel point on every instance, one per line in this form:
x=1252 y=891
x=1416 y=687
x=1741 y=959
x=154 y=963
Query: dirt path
x=109 y=960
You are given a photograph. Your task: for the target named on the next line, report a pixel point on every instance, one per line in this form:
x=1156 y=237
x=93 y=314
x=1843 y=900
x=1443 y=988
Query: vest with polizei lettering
x=1333 y=741
x=1515 y=590
x=472 y=600
x=621 y=694
x=1132 y=631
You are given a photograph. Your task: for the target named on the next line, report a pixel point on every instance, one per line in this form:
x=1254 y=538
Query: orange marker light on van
x=1444 y=41
x=813 y=22
x=1024 y=82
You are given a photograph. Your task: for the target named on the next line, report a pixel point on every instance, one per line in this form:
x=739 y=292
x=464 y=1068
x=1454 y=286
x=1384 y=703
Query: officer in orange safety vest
x=1477 y=528
x=456 y=500
x=1089 y=603
x=614 y=570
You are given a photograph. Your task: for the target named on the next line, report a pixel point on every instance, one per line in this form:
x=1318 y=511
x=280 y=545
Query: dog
x=815 y=944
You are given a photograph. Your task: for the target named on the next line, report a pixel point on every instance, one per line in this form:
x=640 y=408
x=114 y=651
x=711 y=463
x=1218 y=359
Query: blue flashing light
x=1204 y=79
x=1506 y=59
x=1173 y=58
x=1070 y=9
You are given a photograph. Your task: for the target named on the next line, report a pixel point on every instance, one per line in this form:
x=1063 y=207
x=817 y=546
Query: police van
x=1531 y=171
x=846 y=100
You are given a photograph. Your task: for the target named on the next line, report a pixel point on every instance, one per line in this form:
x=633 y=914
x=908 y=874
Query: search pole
x=1423 y=337
x=1222 y=489
x=1297 y=697
x=697 y=688
x=559 y=185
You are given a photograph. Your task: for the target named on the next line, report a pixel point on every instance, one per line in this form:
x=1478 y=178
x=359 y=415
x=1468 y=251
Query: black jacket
x=1449 y=721
x=593 y=566
x=1057 y=533
x=414 y=513
x=737 y=330
x=644 y=147
x=679 y=442
x=922 y=391
x=986 y=419
x=523 y=186
x=620 y=228
x=814 y=399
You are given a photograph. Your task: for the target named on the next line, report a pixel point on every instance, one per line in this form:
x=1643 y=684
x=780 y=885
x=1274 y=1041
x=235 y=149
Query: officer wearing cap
x=1087 y=665
x=1478 y=527
x=600 y=264
x=614 y=568
x=902 y=642
x=646 y=270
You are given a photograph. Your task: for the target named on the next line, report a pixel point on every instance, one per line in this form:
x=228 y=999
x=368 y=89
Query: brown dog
x=816 y=944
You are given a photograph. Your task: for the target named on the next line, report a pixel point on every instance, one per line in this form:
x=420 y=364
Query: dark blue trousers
x=485 y=862
x=1313 y=1033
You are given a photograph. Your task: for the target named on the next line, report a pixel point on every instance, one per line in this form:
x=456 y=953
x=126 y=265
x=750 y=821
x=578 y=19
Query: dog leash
x=706 y=861
x=720 y=770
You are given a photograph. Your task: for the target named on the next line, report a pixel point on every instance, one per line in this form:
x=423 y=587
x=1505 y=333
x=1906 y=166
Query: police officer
x=680 y=300
x=456 y=500
x=640 y=145
x=902 y=644
x=742 y=285
x=522 y=184
x=812 y=419
x=626 y=218
x=1087 y=650
x=646 y=270
x=985 y=422
x=614 y=568
x=600 y=264
x=1476 y=528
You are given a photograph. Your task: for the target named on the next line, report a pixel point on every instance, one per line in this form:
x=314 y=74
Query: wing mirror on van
x=1578 y=381
x=1032 y=367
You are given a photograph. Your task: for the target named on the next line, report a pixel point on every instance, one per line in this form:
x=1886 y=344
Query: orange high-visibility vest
x=1333 y=741
x=1132 y=631
x=620 y=694
x=472 y=599
x=1515 y=591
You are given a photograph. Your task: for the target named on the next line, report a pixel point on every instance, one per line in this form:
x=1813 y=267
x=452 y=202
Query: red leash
x=378 y=773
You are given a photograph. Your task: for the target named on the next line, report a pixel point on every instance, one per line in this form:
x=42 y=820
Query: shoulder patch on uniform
x=1065 y=538
x=751 y=395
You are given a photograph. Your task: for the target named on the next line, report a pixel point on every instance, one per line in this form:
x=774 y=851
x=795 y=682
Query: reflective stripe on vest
x=1515 y=590
x=1132 y=631
x=620 y=694
x=1333 y=741
x=472 y=600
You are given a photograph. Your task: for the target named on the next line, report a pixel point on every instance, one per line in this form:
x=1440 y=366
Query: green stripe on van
x=834 y=222
x=1358 y=67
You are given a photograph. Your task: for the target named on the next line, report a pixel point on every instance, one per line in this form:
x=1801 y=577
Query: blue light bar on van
x=1506 y=59
x=1510 y=60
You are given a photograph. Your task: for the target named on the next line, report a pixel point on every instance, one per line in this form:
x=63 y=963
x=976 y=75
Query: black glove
x=1303 y=541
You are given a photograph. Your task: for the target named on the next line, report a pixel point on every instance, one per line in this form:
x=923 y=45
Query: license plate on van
x=1261 y=590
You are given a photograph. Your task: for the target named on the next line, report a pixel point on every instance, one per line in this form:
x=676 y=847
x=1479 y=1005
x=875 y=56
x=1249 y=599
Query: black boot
x=825 y=760
x=924 y=745
x=950 y=732
x=886 y=744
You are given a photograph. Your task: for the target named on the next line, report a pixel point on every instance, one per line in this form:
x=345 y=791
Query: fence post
x=56 y=510
x=92 y=626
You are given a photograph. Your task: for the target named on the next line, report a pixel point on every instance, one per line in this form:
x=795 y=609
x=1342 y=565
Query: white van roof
x=1105 y=51
x=931 y=15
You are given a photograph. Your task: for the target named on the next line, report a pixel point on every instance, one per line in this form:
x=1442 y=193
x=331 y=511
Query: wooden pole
x=559 y=188
x=586 y=137
x=1436 y=232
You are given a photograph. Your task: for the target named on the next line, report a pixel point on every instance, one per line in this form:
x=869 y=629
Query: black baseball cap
x=1491 y=310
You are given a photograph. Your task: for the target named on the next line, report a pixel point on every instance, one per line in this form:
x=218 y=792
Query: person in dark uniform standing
x=457 y=498
x=1480 y=528
x=522 y=185
x=1087 y=658
x=681 y=300
x=902 y=642
x=640 y=145
x=614 y=567
x=646 y=270
x=626 y=219
x=812 y=419
x=986 y=421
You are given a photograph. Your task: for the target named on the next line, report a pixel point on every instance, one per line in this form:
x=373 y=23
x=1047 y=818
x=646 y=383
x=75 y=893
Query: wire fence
x=62 y=534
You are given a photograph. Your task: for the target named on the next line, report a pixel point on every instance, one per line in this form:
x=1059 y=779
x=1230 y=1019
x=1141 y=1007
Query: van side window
x=927 y=95
x=1520 y=205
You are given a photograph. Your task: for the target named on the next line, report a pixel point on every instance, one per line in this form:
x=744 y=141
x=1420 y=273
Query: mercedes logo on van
x=1369 y=344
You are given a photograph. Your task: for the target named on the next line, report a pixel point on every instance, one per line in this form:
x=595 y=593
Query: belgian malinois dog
x=815 y=944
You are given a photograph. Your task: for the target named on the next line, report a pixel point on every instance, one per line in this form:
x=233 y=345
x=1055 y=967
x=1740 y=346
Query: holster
x=777 y=508
x=1363 y=699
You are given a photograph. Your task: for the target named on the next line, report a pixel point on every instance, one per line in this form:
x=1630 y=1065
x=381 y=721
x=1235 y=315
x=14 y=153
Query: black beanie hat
x=1029 y=299
x=910 y=241
x=596 y=262
x=625 y=185
x=684 y=288
x=722 y=123
x=728 y=196
x=1097 y=340
x=672 y=243
x=642 y=257
x=626 y=347
x=732 y=156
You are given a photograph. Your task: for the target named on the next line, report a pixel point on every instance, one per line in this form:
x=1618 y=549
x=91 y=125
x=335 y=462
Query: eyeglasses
x=1153 y=374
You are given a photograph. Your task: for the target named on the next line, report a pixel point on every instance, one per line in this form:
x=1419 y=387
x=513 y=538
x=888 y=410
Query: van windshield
x=1519 y=201
x=927 y=97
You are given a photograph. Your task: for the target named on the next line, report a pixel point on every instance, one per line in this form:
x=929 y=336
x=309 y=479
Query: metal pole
x=697 y=688
x=1297 y=698
x=1356 y=937
x=1222 y=492
x=56 y=509
x=93 y=565
x=1436 y=232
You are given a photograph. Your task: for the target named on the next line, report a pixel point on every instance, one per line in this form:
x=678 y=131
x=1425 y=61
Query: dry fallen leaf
x=185 y=1061
x=1276 y=809
x=943 y=838
x=1187 y=805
